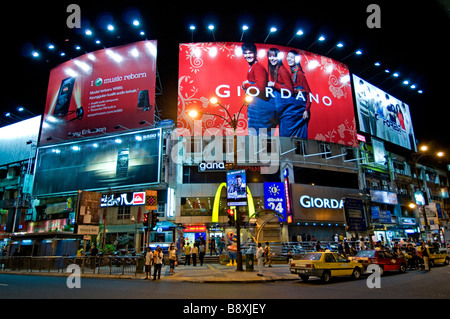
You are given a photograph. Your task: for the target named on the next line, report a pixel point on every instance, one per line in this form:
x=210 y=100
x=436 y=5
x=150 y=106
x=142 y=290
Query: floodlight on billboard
x=98 y=91
x=295 y=92
x=382 y=115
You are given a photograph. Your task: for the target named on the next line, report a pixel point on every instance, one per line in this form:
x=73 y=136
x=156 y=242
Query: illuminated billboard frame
x=383 y=116
x=318 y=106
x=101 y=91
x=127 y=160
x=236 y=188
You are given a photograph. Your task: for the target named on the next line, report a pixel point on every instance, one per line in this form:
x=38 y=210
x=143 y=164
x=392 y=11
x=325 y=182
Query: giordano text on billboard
x=295 y=92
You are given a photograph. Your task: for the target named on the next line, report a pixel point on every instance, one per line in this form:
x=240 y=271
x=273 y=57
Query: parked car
x=325 y=265
x=387 y=260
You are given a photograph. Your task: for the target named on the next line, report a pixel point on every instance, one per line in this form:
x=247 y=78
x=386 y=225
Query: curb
x=218 y=276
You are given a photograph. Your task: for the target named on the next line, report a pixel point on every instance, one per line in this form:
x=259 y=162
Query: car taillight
x=309 y=265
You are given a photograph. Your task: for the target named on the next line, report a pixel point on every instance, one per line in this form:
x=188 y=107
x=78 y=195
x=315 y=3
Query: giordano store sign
x=319 y=203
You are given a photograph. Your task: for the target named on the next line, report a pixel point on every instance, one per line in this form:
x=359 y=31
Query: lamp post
x=416 y=157
x=232 y=122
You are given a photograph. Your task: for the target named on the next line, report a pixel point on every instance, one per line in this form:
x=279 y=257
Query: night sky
x=412 y=41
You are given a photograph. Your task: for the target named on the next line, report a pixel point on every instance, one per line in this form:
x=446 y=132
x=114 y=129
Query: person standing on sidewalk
x=194 y=255
x=259 y=258
x=268 y=254
x=187 y=253
x=158 y=263
x=425 y=257
x=201 y=251
x=148 y=262
x=172 y=259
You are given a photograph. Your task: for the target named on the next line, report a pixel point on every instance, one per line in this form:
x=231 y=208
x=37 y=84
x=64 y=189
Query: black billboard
x=128 y=159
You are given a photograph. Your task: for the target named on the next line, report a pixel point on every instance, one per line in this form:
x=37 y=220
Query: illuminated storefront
x=319 y=211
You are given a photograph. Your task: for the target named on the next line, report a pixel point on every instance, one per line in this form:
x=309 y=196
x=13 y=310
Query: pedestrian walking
x=172 y=255
x=259 y=258
x=341 y=248
x=221 y=244
x=212 y=246
x=268 y=254
x=361 y=244
x=289 y=257
x=158 y=263
x=201 y=252
x=411 y=255
x=187 y=254
x=318 y=247
x=148 y=262
x=425 y=256
x=194 y=255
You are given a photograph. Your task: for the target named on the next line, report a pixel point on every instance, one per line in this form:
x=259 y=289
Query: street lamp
x=416 y=157
x=232 y=122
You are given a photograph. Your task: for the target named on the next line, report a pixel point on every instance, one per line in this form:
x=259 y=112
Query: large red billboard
x=294 y=92
x=101 y=92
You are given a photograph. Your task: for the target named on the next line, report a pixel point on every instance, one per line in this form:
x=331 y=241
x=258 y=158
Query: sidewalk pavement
x=208 y=273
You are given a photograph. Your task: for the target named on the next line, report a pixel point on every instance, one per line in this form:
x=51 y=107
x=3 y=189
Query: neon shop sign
x=317 y=202
x=124 y=199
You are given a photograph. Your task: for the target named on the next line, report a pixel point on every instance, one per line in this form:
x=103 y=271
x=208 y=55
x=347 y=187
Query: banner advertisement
x=384 y=197
x=236 y=188
x=88 y=212
x=382 y=115
x=100 y=92
x=151 y=200
x=380 y=216
x=293 y=92
x=275 y=199
x=129 y=159
x=354 y=215
x=14 y=140
x=432 y=217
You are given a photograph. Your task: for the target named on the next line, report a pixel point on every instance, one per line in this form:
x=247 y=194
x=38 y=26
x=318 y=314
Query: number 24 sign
x=275 y=199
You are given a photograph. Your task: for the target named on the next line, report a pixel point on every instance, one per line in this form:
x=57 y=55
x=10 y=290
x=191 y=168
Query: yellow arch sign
x=215 y=212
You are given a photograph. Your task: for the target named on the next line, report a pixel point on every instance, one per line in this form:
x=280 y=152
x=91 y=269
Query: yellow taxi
x=436 y=257
x=325 y=265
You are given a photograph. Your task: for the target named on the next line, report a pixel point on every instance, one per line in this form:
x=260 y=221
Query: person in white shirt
x=172 y=259
x=158 y=263
x=259 y=258
x=148 y=262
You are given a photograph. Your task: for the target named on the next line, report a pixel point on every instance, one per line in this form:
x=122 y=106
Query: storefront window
x=123 y=212
x=199 y=206
x=203 y=206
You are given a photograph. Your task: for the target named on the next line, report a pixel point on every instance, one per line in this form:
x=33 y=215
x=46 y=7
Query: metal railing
x=112 y=265
x=281 y=249
x=121 y=265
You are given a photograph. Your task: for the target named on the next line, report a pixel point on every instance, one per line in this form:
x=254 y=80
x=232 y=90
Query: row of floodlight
x=89 y=32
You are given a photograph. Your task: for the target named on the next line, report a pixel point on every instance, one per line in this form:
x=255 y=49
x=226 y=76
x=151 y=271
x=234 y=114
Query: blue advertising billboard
x=275 y=199
x=354 y=214
x=236 y=188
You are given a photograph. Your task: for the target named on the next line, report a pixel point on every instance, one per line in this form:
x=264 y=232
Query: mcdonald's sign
x=215 y=212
